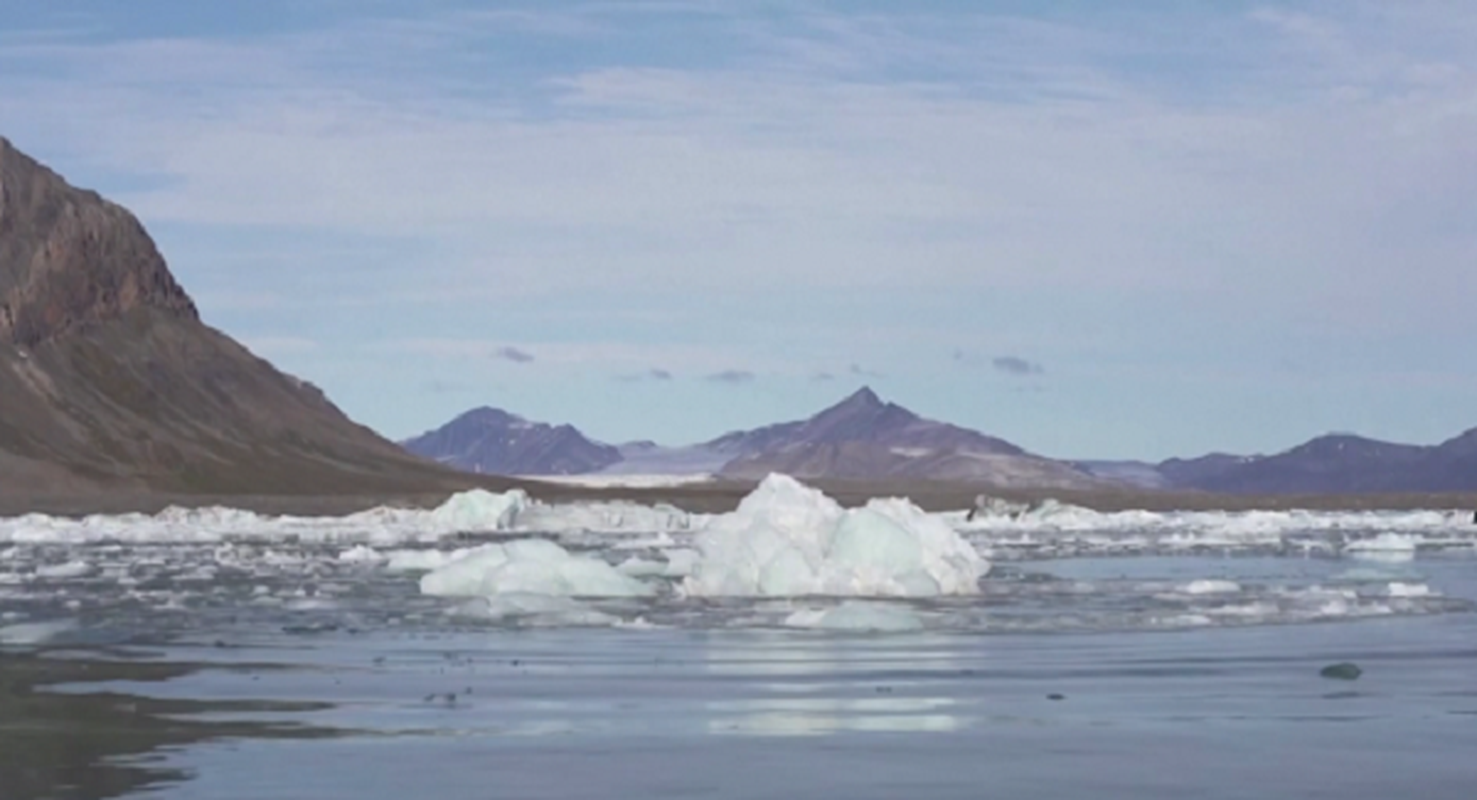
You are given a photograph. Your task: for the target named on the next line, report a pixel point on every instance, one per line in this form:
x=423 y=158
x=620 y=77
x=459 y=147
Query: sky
x=1099 y=230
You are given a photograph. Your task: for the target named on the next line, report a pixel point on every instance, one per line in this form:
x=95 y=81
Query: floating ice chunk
x=534 y=566
x=422 y=560
x=858 y=616
x=788 y=539
x=541 y=610
x=1376 y=575
x=30 y=634
x=480 y=510
x=605 y=517
x=1399 y=589
x=71 y=569
x=360 y=554
x=1384 y=541
x=1387 y=547
x=1208 y=586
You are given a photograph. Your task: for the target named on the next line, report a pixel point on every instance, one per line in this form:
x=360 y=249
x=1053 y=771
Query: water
x=1179 y=658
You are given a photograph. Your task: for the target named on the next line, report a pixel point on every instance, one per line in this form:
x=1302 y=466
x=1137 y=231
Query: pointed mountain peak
x=862 y=398
x=489 y=415
x=861 y=416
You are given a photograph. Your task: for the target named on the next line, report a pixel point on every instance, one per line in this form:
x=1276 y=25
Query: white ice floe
x=787 y=539
x=1210 y=586
x=30 y=634
x=71 y=569
x=529 y=566
x=1383 y=543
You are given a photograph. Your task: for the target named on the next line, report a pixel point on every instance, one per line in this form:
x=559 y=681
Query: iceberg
x=528 y=566
x=480 y=510
x=787 y=539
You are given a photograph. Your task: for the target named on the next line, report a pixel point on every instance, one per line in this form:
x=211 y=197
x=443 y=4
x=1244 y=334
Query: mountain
x=1336 y=464
x=1196 y=472
x=1129 y=473
x=864 y=438
x=860 y=437
x=493 y=441
x=108 y=377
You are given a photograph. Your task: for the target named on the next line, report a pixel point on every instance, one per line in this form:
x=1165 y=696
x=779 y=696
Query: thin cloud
x=513 y=354
x=822 y=375
x=862 y=372
x=1016 y=367
x=733 y=377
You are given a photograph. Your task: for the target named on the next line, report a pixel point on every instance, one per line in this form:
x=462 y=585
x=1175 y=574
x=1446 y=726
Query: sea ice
x=788 y=539
x=35 y=633
x=857 y=616
x=71 y=569
x=1209 y=586
x=536 y=610
x=534 y=566
x=480 y=510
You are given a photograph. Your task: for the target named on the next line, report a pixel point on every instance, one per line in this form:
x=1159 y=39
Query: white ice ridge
x=473 y=511
x=483 y=511
x=787 y=539
x=1053 y=516
x=529 y=566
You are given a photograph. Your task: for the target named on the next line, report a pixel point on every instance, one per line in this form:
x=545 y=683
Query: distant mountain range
x=863 y=437
x=1337 y=463
x=860 y=437
x=492 y=441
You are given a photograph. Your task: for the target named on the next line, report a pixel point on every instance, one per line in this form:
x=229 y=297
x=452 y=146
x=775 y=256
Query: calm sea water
x=1109 y=708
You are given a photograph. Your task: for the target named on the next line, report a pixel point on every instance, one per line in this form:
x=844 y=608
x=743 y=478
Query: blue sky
x=1136 y=229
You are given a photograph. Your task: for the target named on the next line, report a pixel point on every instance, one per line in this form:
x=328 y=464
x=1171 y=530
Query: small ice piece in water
x=71 y=569
x=857 y=616
x=1208 y=586
x=30 y=634
x=1388 y=547
x=787 y=539
x=534 y=566
x=360 y=554
x=1400 y=589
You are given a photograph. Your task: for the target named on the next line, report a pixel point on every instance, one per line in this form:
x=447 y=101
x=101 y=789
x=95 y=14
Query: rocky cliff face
x=71 y=258
x=108 y=377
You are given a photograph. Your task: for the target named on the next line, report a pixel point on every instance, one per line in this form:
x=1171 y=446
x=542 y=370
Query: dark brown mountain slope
x=108 y=378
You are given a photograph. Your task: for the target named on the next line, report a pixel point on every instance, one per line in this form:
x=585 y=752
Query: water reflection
x=810 y=685
x=100 y=744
